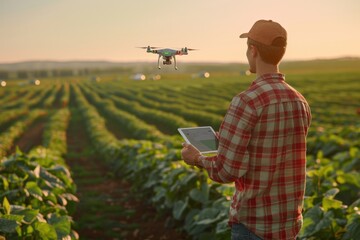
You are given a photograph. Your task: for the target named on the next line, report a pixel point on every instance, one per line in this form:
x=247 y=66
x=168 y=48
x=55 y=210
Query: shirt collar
x=270 y=77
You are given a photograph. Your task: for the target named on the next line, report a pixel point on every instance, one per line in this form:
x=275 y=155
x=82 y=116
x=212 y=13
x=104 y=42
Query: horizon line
x=188 y=62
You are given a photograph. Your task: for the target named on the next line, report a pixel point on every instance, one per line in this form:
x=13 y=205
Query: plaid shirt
x=262 y=148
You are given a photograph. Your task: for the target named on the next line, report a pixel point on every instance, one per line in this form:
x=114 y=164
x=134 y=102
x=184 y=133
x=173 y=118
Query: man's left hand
x=190 y=154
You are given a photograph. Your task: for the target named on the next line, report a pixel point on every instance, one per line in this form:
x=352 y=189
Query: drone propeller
x=148 y=47
x=192 y=49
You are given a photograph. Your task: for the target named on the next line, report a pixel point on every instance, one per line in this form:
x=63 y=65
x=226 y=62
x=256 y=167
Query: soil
x=31 y=138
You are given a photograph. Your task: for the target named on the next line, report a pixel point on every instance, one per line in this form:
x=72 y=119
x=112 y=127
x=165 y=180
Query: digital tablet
x=203 y=138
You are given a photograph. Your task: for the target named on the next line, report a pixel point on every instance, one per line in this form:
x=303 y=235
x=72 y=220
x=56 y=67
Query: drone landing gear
x=159 y=62
x=167 y=61
x=175 y=63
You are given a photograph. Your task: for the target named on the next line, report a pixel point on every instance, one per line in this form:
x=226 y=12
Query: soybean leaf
x=188 y=178
x=59 y=168
x=311 y=218
x=328 y=203
x=160 y=192
x=61 y=224
x=7 y=225
x=222 y=226
x=354 y=206
x=6 y=206
x=190 y=221
x=325 y=222
x=34 y=190
x=331 y=192
x=70 y=197
x=5 y=183
x=208 y=215
x=16 y=218
x=208 y=221
x=45 y=231
x=50 y=179
x=61 y=200
x=353 y=227
x=62 y=173
x=50 y=196
x=198 y=195
x=28 y=214
x=179 y=208
x=37 y=171
x=203 y=194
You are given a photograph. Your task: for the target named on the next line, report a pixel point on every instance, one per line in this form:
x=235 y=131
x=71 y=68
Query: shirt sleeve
x=232 y=159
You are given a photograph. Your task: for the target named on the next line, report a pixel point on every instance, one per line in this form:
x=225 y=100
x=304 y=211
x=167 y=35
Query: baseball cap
x=265 y=32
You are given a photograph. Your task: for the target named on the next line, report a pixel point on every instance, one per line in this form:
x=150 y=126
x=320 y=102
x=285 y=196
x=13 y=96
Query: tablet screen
x=203 y=138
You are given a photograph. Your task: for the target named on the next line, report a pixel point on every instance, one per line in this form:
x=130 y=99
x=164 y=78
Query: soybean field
x=84 y=159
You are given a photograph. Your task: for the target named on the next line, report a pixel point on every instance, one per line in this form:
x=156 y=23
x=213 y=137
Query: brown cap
x=265 y=32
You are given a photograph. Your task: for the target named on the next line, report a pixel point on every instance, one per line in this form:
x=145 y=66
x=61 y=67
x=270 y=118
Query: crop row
x=30 y=100
x=198 y=116
x=13 y=95
x=8 y=137
x=333 y=99
x=37 y=191
x=64 y=98
x=37 y=97
x=9 y=116
x=164 y=121
x=129 y=123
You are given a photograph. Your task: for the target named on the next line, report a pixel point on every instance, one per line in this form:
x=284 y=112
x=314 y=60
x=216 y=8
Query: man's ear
x=253 y=51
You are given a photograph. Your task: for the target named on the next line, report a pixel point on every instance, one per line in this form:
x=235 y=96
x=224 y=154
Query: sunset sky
x=64 y=30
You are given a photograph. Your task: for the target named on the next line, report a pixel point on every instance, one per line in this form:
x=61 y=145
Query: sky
x=110 y=30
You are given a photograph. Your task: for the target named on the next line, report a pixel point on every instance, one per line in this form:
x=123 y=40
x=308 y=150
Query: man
x=262 y=145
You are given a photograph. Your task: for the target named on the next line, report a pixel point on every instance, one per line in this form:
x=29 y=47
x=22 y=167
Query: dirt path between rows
x=31 y=138
x=108 y=208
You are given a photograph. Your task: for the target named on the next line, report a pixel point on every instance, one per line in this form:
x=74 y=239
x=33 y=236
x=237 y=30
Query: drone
x=167 y=54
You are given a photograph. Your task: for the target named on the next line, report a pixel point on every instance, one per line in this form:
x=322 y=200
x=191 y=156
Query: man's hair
x=270 y=54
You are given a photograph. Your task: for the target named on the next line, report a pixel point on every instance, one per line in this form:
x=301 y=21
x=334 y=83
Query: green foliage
x=8 y=137
x=54 y=136
x=41 y=199
x=184 y=191
x=36 y=189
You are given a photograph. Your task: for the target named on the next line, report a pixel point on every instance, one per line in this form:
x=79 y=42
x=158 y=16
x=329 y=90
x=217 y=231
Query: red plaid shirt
x=262 y=148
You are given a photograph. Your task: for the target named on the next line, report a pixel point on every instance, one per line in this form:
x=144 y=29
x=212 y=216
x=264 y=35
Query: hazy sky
x=111 y=29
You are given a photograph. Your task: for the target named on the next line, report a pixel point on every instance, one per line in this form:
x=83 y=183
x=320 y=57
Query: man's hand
x=190 y=154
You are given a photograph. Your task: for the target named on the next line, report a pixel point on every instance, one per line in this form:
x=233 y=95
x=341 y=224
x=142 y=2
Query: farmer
x=262 y=145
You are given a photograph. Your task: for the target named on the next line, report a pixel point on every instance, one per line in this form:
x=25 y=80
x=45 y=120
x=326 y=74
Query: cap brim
x=244 y=35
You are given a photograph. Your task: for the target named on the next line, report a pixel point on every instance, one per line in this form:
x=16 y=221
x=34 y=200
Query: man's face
x=251 y=59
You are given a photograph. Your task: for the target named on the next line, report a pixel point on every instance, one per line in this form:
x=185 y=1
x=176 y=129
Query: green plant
x=41 y=199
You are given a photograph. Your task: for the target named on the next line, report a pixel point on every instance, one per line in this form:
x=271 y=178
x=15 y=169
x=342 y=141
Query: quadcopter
x=167 y=54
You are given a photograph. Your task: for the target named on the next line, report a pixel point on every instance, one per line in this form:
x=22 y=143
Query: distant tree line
x=28 y=74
